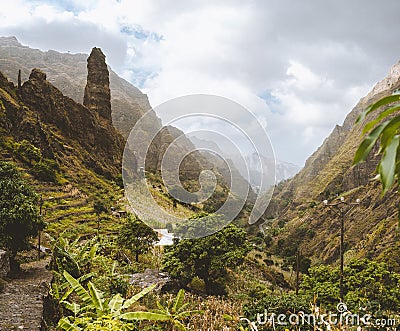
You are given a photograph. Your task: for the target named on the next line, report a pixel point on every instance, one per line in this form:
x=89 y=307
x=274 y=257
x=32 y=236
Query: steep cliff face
x=97 y=95
x=328 y=173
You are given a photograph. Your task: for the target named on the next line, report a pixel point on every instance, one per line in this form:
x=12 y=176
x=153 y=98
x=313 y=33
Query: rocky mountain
x=62 y=129
x=297 y=208
x=68 y=73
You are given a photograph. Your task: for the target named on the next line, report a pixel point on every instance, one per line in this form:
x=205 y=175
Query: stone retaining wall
x=4 y=264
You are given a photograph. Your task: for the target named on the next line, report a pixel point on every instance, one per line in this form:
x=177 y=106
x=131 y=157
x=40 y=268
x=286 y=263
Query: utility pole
x=39 y=227
x=98 y=227
x=297 y=270
x=341 y=211
x=341 y=254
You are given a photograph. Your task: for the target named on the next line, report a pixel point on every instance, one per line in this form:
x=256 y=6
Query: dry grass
x=215 y=311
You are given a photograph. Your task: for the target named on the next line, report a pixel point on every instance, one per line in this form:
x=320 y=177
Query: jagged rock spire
x=97 y=91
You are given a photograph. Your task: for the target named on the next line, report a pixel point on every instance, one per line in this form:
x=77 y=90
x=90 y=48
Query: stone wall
x=4 y=264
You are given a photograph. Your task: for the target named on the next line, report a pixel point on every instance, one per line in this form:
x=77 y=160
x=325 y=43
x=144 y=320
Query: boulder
x=164 y=282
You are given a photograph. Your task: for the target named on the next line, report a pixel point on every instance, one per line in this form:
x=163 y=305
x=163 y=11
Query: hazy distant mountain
x=258 y=164
x=255 y=165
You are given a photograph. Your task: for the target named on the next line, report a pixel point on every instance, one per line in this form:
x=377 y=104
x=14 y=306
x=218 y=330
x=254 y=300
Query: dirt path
x=21 y=302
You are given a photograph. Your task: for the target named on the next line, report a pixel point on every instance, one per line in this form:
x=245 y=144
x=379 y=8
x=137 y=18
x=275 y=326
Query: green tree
x=322 y=281
x=207 y=257
x=369 y=282
x=19 y=215
x=136 y=236
x=385 y=129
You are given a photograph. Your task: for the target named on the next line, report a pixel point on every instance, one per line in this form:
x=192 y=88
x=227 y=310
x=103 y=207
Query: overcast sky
x=299 y=66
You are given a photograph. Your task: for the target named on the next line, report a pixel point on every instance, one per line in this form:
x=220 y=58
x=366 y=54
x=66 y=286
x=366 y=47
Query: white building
x=166 y=238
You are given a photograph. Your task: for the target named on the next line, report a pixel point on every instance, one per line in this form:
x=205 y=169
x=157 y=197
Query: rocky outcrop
x=4 y=264
x=97 y=95
x=162 y=280
x=68 y=72
x=60 y=127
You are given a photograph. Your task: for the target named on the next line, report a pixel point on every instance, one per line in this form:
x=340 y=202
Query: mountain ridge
x=128 y=103
x=328 y=173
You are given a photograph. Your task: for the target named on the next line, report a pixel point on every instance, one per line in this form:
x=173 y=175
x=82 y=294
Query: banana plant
x=73 y=256
x=175 y=312
x=385 y=128
x=96 y=310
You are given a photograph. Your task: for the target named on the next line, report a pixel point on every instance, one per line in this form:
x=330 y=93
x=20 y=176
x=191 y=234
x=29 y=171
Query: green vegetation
x=366 y=283
x=207 y=257
x=98 y=313
x=174 y=312
x=19 y=214
x=93 y=296
x=371 y=287
x=385 y=128
x=136 y=236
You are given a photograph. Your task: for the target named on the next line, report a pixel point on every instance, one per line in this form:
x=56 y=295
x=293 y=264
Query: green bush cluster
x=46 y=170
x=207 y=257
x=366 y=282
x=19 y=214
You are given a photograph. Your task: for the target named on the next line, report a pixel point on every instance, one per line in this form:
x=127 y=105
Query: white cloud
x=310 y=60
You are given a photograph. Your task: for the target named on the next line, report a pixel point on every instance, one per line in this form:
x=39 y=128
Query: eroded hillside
x=302 y=220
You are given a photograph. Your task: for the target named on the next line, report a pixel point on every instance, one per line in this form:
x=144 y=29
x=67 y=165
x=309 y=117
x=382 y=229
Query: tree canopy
x=19 y=215
x=207 y=257
x=365 y=281
x=136 y=236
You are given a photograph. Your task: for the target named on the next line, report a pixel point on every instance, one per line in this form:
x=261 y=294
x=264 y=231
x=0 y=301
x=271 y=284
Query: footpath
x=22 y=299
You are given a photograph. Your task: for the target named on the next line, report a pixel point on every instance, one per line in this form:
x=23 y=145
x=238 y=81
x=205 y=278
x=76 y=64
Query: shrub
x=46 y=170
x=365 y=282
x=19 y=215
x=28 y=152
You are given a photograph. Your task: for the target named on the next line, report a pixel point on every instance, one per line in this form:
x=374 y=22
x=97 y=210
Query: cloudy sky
x=299 y=66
